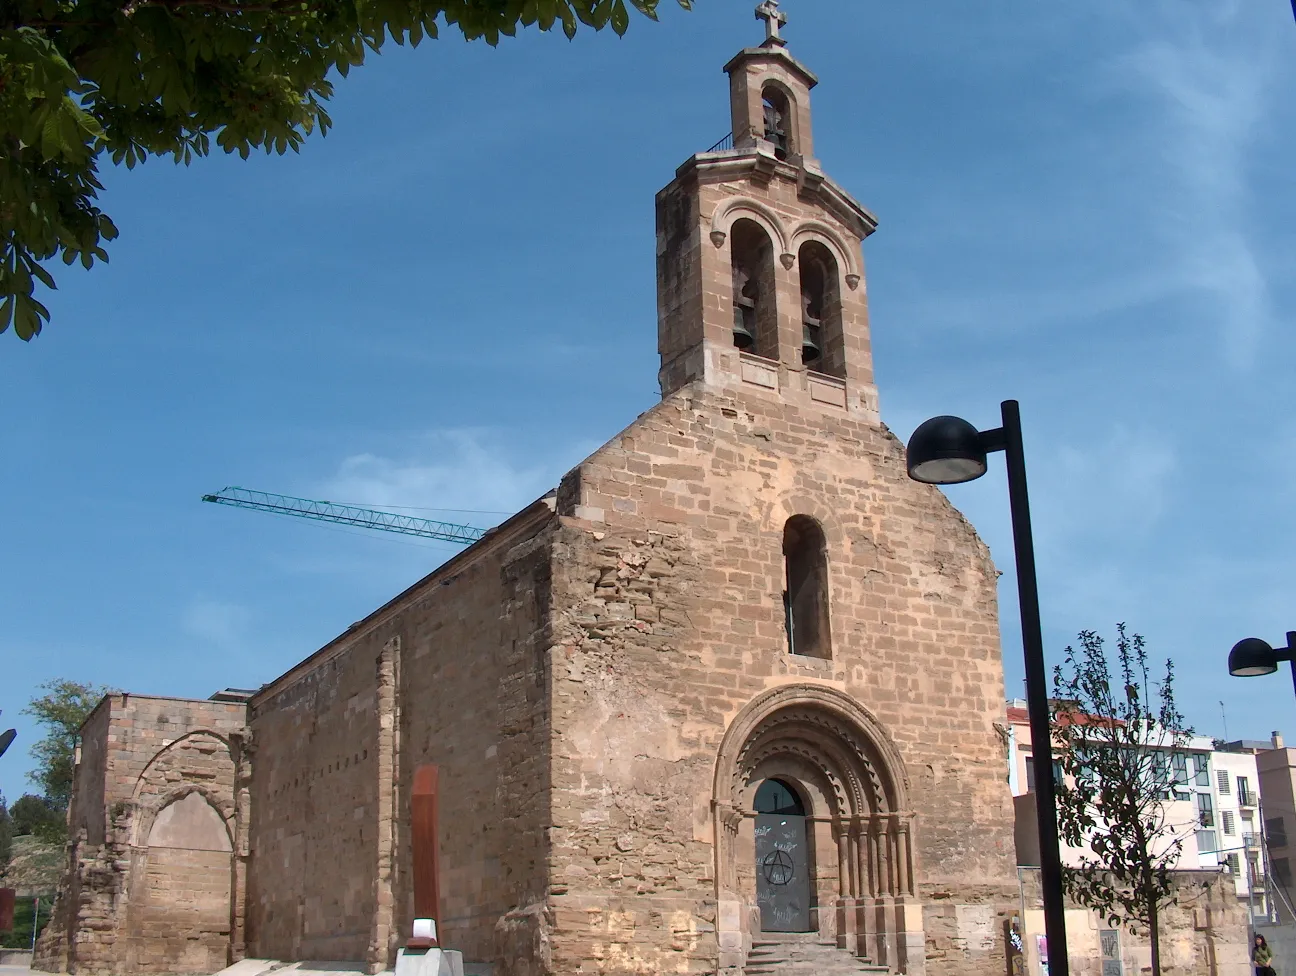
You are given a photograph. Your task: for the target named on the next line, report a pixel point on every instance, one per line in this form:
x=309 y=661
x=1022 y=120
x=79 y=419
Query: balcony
x=1251 y=841
x=1247 y=798
x=1206 y=818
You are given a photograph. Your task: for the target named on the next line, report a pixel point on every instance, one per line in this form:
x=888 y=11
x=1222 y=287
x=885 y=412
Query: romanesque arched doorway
x=815 y=750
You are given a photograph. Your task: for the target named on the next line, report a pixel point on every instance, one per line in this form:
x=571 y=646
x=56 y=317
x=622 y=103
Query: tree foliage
x=6 y=835
x=1115 y=732
x=34 y=815
x=61 y=710
x=141 y=78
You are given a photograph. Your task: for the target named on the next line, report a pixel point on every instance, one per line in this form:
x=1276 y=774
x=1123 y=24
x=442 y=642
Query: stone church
x=730 y=691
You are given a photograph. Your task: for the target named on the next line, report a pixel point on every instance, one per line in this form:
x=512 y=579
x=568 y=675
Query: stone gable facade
x=737 y=675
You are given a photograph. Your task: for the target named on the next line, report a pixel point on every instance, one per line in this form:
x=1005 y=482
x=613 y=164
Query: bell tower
x=760 y=280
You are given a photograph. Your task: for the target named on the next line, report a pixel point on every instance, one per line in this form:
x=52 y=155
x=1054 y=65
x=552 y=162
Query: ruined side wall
x=672 y=622
x=86 y=819
x=87 y=810
x=452 y=672
x=474 y=700
x=138 y=755
x=314 y=827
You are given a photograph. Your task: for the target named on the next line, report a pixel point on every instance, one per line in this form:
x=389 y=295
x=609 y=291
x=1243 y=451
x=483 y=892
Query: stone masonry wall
x=450 y=672
x=670 y=620
x=314 y=824
x=138 y=755
x=474 y=700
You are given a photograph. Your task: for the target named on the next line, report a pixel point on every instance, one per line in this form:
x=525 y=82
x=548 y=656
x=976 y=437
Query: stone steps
x=803 y=955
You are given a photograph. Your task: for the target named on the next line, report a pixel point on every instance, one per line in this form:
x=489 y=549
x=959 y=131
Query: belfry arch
x=849 y=778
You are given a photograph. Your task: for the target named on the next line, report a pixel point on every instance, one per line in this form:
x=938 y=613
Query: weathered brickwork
x=674 y=623
x=450 y=672
x=155 y=862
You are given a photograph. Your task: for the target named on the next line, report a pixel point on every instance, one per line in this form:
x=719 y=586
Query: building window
x=1222 y=777
x=1245 y=796
x=1226 y=819
x=805 y=600
x=1234 y=865
x=1275 y=829
x=1206 y=842
x=1030 y=774
x=1180 y=769
x=1201 y=769
x=1205 y=810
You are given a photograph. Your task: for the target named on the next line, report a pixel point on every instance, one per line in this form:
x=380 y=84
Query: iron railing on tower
x=723 y=145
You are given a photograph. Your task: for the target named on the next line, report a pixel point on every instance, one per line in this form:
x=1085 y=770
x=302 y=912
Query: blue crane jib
x=365 y=518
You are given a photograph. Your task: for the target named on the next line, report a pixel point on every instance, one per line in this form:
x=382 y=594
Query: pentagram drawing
x=777 y=868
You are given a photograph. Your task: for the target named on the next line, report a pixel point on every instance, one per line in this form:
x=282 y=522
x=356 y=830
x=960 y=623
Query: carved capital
x=718 y=238
x=788 y=260
x=852 y=281
x=730 y=817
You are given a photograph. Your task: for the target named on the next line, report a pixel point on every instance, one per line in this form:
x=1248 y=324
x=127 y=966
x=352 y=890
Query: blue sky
x=449 y=301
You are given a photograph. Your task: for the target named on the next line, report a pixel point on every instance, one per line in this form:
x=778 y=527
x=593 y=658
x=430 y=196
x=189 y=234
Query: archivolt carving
x=733 y=208
x=831 y=745
x=754 y=760
x=848 y=261
x=843 y=734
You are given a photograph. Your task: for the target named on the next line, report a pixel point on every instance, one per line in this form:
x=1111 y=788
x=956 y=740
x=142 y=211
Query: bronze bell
x=742 y=333
x=809 y=344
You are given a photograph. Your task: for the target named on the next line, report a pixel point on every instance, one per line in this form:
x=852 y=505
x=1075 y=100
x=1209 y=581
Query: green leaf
x=620 y=18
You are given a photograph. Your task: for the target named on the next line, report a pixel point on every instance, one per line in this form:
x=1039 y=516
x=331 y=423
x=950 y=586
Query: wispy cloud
x=1120 y=483
x=1208 y=77
x=216 y=622
x=466 y=470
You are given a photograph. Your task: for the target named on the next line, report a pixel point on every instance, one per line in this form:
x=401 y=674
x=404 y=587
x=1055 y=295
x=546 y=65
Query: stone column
x=382 y=928
x=241 y=750
x=912 y=938
x=730 y=906
x=845 y=885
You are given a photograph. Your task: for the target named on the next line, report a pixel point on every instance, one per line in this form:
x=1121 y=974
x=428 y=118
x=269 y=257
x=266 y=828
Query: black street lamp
x=950 y=451
x=1253 y=657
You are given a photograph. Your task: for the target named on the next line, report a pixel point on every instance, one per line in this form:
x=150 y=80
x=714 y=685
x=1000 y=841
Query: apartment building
x=1211 y=801
x=1277 y=778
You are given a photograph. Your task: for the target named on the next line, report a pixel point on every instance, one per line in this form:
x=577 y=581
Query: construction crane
x=365 y=518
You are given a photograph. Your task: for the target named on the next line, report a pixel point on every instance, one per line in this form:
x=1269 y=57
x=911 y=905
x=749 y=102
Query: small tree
x=62 y=709
x=1114 y=736
x=33 y=815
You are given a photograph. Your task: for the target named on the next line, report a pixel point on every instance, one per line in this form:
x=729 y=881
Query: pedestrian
x=1262 y=956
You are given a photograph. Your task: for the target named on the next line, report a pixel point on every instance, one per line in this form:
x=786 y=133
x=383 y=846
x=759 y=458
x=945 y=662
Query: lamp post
x=950 y=451
x=6 y=739
x=1253 y=657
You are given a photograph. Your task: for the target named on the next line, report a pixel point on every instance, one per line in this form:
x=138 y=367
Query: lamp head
x=1252 y=657
x=946 y=451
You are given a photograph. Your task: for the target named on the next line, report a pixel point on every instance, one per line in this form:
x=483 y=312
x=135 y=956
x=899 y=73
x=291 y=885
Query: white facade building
x=1212 y=805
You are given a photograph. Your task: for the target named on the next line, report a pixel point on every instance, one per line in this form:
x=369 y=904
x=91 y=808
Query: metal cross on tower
x=774 y=18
